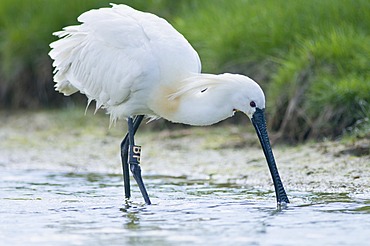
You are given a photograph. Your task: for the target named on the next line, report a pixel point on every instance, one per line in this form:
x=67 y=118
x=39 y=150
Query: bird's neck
x=201 y=99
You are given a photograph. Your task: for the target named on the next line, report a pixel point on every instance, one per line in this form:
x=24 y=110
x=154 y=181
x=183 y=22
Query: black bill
x=259 y=123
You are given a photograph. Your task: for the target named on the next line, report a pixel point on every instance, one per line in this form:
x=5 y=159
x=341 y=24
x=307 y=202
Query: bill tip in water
x=282 y=205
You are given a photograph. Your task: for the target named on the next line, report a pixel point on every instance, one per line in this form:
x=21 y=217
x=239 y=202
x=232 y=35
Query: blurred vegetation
x=312 y=58
x=26 y=29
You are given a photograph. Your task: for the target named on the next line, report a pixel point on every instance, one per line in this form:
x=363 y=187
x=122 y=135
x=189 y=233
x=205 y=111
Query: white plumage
x=132 y=63
x=117 y=55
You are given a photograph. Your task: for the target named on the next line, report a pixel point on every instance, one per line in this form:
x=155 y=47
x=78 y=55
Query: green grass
x=254 y=31
x=310 y=57
x=331 y=71
x=26 y=29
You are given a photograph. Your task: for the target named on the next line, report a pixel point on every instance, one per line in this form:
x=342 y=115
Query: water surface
x=39 y=207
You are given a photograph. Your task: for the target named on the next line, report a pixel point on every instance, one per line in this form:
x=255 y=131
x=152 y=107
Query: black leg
x=134 y=160
x=124 y=156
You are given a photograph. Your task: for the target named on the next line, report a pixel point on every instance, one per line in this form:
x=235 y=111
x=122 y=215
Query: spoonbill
x=136 y=64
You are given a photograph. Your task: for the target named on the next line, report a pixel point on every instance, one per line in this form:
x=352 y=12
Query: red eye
x=252 y=104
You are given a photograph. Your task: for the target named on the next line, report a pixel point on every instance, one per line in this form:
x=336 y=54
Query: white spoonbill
x=135 y=64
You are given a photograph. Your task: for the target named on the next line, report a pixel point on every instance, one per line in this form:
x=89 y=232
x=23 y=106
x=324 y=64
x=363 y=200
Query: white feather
x=135 y=63
x=117 y=55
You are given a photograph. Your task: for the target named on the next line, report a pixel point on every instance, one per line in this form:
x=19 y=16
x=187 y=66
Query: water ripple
x=43 y=208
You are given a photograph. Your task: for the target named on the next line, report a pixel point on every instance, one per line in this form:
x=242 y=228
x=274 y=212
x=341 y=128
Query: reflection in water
x=131 y=213
x=51 y=208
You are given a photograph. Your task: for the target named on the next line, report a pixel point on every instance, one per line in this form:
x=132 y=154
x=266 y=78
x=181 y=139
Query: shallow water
x=39 y=207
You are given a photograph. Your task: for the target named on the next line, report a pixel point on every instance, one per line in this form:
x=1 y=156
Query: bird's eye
x=252 y=104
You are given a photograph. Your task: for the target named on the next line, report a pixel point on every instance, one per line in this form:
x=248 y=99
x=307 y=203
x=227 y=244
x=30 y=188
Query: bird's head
x=248 y=96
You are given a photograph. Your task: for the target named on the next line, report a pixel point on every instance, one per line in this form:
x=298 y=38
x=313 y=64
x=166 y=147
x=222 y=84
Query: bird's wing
x=118 y=51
